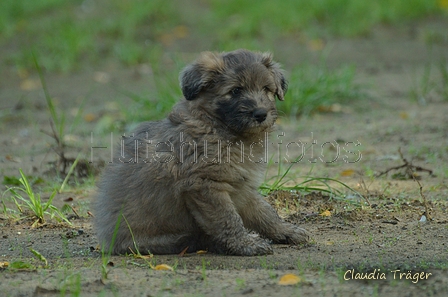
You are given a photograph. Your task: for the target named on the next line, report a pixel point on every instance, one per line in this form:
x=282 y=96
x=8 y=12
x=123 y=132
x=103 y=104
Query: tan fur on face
x=193 y=183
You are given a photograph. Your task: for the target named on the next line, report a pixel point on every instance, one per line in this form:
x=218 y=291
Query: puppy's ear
x=191 y=81
x=195 y=77
x=279 y=79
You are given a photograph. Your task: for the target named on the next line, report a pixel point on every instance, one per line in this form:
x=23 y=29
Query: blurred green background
x=68 y=35
x=77 y=35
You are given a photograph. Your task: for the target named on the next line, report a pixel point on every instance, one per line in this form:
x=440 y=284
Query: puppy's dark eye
x=236 y=91
x=266 y=89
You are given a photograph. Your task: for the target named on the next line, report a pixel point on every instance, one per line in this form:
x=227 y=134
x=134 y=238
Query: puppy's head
x=237 y=88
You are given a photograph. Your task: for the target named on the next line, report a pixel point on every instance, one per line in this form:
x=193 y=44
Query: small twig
x=75 y=212
x=406 y=164
x=366 y=189
x=392 y=168
x=59 y=149
x=181 y=254
x=410 y=171
x=55 y=135
x=418 y=168
x=60 y=146
x=425 y=202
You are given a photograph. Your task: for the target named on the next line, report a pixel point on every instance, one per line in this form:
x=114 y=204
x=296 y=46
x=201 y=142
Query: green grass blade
x=67 y=177
x=39 y=256
x=48 y=98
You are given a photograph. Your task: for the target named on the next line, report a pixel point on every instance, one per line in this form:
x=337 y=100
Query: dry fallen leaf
x=181 y=31
x=289 y=280
x=90 y=117
x=325 y=213
x=30 y=84
x=404 y=115
x=201 y=252
x=347 y=172
x=13 y=159
x=147 y=257
x=316 y=44
x=162 y=267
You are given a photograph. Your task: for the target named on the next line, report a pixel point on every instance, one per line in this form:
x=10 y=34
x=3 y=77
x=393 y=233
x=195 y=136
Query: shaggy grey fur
x=190 y=181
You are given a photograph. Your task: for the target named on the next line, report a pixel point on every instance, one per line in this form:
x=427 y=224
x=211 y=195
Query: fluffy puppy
x=190 y=181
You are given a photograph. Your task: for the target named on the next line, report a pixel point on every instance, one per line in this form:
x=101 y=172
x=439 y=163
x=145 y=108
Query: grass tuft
x=285 y=181
x=34 y=203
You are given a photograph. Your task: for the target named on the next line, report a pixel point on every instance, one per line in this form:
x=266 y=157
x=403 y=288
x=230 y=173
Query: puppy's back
x=133 y=189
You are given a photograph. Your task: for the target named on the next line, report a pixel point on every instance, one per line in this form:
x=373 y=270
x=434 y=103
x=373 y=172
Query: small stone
x=247 y=291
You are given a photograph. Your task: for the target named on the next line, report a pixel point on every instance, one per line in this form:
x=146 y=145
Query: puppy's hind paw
x=290 y=234
x=297 y=235
x=252 y=247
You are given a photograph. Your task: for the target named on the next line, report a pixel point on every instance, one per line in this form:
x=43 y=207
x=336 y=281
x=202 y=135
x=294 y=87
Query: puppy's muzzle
x=259 y=114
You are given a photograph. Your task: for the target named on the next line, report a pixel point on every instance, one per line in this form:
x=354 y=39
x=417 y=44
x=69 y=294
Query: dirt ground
x=379 y=235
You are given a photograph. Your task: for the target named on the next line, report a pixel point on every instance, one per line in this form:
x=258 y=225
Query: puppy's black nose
x=260 y=114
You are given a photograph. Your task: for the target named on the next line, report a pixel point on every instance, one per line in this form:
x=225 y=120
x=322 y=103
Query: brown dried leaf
x=347 y=172
x=316 y=44
x=30 y=84
x=90 y=117
x=13 y=159
x=404 y=115
x=325 y=213
x=181 y=31
x=163 y=267
x=144 y=257
x=289 y=280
